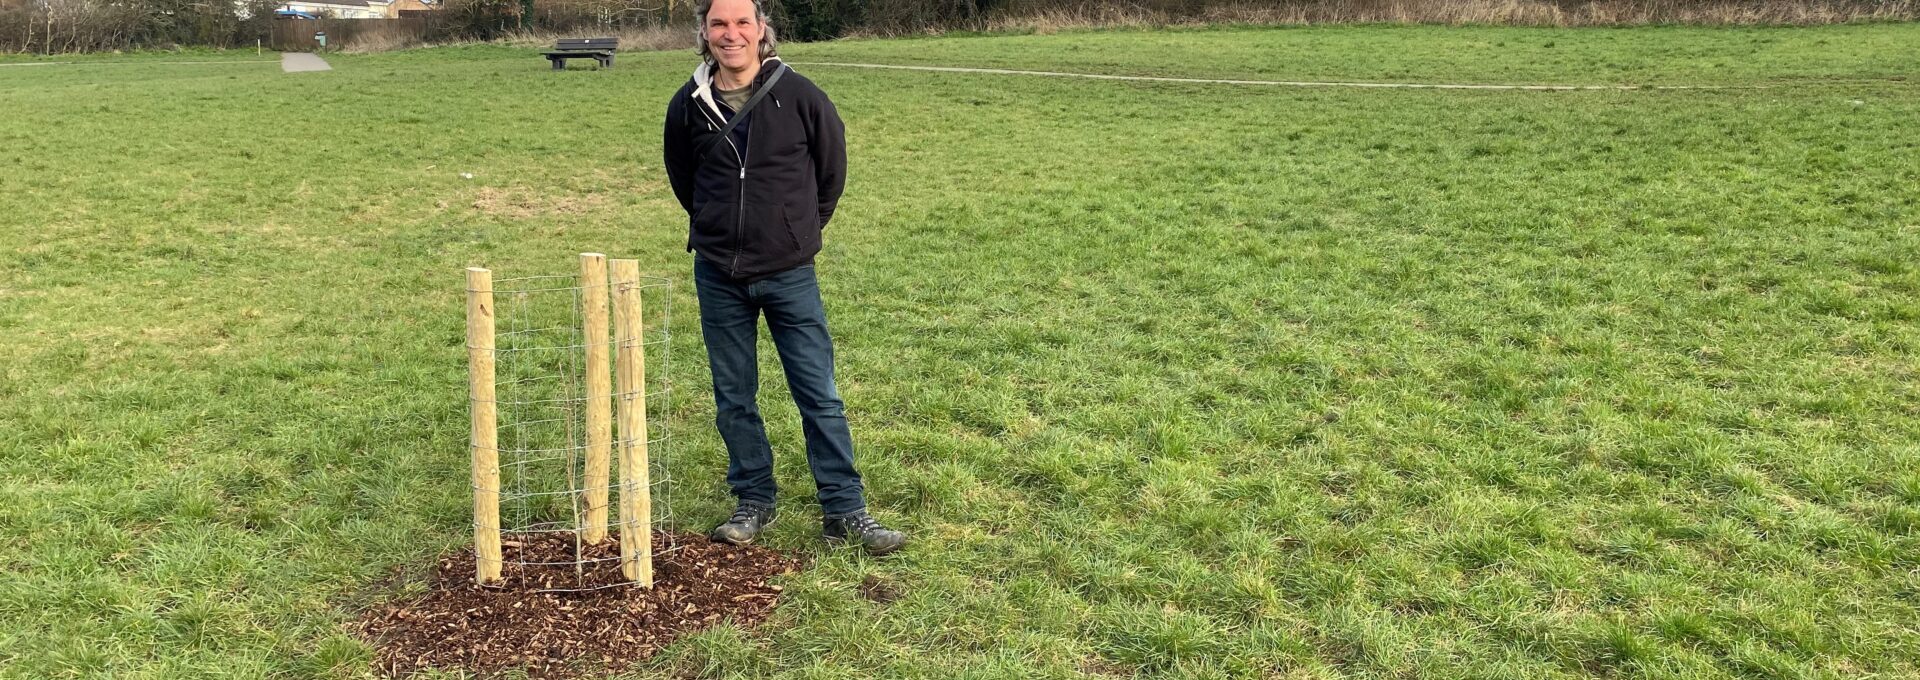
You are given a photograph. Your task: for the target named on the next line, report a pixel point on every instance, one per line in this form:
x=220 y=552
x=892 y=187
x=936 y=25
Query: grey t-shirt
x=735 y=98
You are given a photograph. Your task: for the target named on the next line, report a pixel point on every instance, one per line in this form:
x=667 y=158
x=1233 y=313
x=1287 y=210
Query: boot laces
x=863 y=523
x=743 y=514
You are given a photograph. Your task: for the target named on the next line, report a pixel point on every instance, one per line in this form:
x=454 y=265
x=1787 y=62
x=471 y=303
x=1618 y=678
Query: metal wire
x=539 y=349
x=610 y=487
x=509 y=350
x=646 y=283
x=616 y=395
x=581 y=447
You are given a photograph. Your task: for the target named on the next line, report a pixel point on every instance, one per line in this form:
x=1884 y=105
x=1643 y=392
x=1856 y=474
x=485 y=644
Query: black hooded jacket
x=756 y=202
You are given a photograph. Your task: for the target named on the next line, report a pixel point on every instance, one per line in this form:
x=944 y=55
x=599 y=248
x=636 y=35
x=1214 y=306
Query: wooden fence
x=297 y=35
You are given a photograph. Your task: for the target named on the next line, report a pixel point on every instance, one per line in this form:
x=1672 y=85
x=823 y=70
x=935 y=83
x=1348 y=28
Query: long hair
x=769 y=46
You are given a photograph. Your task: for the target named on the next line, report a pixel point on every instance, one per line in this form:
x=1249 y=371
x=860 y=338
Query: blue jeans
x=730 y=321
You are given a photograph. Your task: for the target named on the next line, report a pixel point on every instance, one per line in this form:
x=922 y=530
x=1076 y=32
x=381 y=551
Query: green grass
x=1653 y=55
x=1183 y=381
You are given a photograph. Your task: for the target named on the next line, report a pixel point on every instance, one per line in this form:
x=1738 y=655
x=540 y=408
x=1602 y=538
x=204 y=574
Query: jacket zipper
x=740 y=215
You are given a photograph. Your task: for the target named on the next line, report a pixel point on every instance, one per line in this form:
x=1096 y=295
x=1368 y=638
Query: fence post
x=485 y=437
x=630 y=376
x=593 y=296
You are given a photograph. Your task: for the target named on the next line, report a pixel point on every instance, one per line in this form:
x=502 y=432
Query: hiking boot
x=860 y=527
x=747 y=522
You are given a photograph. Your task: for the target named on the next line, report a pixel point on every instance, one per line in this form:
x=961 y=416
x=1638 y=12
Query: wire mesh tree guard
x=548 y=385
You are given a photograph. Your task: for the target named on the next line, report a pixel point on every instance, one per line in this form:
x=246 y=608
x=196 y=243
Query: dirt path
x=1284 y=83
x=296 y=62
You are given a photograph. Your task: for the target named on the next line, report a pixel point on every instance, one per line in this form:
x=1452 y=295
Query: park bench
x=597 y=49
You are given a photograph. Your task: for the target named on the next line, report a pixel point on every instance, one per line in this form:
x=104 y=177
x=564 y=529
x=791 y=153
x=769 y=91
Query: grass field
x=1173 y=380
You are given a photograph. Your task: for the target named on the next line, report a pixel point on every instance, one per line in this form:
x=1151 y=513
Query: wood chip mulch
x=524 y=625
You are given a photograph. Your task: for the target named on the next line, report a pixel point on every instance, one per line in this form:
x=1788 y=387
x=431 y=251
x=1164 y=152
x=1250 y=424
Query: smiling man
x=758 y=156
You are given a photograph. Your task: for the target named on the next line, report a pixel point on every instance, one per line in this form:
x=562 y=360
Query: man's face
x=733 y=33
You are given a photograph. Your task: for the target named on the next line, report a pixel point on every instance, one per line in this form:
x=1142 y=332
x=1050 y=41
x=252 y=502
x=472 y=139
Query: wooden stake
x=593 y=296
x=486 y=452
x=630 y=376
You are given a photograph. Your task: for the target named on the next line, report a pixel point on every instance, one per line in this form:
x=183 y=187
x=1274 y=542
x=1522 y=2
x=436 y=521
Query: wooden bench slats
x=598 y=49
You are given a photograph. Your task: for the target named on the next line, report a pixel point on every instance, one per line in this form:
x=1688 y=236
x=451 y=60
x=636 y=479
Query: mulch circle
x=591 y=624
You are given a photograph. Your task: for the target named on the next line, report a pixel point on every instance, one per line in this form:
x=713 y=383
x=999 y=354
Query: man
x=757 y=197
